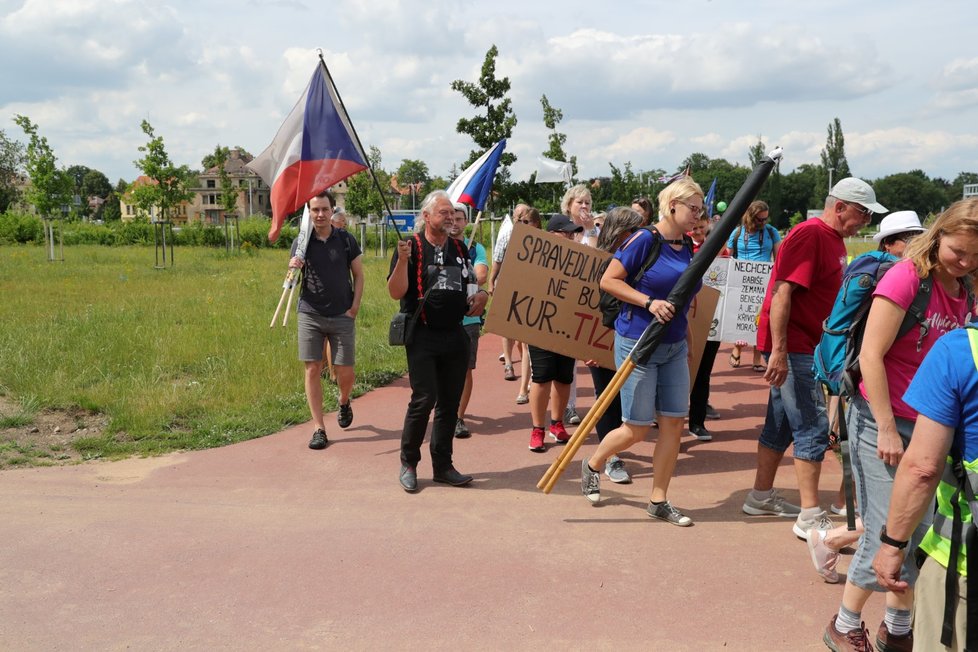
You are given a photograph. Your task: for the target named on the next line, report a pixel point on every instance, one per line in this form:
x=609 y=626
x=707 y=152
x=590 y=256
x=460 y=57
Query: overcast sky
x=643 y=81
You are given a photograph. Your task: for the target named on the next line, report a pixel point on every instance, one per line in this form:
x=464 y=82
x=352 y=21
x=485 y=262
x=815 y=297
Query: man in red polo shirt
x=804 y=282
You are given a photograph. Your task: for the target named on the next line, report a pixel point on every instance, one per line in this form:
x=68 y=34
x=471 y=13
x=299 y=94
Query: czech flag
x=473 y=186
x=314 y=149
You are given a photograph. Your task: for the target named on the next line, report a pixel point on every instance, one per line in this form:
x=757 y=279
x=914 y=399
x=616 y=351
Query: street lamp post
x=831 y=170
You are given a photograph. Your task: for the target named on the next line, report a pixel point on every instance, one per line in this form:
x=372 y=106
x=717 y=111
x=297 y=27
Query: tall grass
x=181 y=358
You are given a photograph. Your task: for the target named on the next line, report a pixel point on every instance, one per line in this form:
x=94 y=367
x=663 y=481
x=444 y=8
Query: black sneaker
x=461 y=430
x=452 y=477
x=318 y=441
x=345 y=416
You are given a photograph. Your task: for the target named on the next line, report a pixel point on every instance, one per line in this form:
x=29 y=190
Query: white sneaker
x=614 y=468
x=802 y=526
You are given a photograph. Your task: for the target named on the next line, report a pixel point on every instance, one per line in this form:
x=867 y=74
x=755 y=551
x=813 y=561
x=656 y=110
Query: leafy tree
x=833 y=156
x=362 y=197
x=50 y=188
x=170 y=183
x=95 y=184
x=771 y=190
x=11 y=162
x=210 y=160
x=798 y=194
x=955 y=189
x=498 y=120
x=910 y=191
x=229 y=194
x=556 y=140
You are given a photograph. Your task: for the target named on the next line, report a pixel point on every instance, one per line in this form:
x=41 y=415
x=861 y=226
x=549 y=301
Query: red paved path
x=267 y=545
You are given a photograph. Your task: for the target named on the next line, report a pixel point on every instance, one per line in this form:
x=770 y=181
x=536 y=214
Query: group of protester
x=898 y=416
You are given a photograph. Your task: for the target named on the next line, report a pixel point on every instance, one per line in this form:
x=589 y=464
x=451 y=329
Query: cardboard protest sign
x=743 y=296
x=716 y=278
x=547 y=295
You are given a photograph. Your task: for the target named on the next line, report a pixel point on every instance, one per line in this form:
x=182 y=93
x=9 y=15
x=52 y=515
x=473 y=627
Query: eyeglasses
x=867 y=212
x=697 y=210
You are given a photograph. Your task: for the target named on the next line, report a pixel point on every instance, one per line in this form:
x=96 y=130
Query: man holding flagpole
x=332 y=287
x=434 y=280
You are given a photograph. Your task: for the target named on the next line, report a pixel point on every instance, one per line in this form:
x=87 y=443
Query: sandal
x=759 y=368
x=734 y=360
x=508 y=372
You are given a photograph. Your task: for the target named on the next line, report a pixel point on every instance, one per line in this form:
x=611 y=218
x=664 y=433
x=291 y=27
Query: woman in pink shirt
x=880 y=423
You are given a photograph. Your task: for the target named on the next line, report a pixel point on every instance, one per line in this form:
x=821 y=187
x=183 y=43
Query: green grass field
x=176 y=359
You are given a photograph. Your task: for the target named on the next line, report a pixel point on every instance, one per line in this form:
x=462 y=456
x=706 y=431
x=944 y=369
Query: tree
x=551 y=118
x=833 y=157
x=229 y=194
x=955 y=190
x=798 y=194
x=910 y=191
x=11 y=163
x=169 y=184
x=362 y=196
x=112 y=212
x=489 y=94
x=210 y=160
x=50 y=188
x=771 y=190
x=95 y=184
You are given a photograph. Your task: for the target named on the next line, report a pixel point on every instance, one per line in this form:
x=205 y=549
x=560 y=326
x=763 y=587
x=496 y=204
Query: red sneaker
x=558 y=432
x=536 y=440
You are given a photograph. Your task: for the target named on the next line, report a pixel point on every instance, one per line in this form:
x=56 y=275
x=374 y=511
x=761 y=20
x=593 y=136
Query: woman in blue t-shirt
x=754 y=239
x=657 y=390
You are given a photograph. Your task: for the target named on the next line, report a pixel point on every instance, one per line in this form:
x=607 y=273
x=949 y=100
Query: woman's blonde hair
x=580 y=190
x=961 y=218
x=679 y=190
x=750 y=217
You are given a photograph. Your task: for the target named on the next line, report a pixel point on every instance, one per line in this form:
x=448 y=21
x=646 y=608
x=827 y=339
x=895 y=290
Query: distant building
x=970 y=190
x=253 y=194
x=129 y=211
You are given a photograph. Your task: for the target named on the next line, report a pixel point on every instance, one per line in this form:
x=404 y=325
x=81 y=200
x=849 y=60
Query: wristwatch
x=888 y=540
x=648 y=303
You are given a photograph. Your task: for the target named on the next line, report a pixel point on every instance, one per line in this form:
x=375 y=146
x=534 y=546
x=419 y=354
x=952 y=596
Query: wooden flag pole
x=285 y=290
x=288 y=304
x=597 y=410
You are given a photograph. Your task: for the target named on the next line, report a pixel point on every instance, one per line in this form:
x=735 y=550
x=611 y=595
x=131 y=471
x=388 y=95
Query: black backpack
x=610 y=305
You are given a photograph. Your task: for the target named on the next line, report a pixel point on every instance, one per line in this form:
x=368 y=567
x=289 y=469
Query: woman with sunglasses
x=754 y=239
x=880 y=423
x=658 y=389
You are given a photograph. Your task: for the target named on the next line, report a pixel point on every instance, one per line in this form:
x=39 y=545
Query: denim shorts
x=796 y=413
x=660 y=386
x=315 y=329
x=874 y=482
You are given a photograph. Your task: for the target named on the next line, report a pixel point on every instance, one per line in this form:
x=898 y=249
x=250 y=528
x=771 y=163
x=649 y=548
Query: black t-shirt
x=447 y=271
x=327 y=286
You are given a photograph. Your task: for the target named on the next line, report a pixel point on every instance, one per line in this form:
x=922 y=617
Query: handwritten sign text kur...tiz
x=547 y=295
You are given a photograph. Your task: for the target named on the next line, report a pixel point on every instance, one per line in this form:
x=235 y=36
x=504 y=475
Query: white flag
x=549 y=170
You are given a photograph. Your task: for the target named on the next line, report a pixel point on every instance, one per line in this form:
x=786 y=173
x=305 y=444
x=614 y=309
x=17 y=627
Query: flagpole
x=383 y=198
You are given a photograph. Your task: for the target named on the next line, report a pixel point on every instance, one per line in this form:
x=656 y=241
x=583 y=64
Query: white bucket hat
x=899 y=222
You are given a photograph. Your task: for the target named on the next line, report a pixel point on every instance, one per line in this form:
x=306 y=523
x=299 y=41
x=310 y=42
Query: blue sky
x=644 y=81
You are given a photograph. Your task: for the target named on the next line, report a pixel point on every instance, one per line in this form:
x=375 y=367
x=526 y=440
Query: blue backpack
x=837 y=354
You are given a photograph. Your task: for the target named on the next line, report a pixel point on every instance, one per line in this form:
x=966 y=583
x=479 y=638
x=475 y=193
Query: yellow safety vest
x=937 y=541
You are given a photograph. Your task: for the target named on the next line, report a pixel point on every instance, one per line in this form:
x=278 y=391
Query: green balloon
x=721 y=206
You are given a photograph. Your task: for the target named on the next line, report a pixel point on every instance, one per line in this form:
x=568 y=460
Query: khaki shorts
x=928 y=608
x=315 y=329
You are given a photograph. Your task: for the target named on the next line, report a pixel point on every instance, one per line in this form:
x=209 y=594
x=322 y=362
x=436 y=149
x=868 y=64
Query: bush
x=20 y=228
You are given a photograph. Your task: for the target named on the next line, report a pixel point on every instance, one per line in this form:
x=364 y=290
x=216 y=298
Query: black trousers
x=611 y=418
x=437 y=362
x=699 y=395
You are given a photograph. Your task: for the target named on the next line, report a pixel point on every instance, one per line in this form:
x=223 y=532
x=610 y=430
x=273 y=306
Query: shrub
x=20 y=228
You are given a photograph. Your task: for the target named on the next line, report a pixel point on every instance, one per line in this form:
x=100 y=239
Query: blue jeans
x=661 y=385
x=796 y=413
x=874 y=483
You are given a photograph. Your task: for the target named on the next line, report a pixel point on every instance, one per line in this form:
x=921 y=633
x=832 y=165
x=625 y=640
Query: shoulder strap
x=736 y=236
x=654 y=250
x=917 y=310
